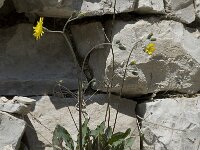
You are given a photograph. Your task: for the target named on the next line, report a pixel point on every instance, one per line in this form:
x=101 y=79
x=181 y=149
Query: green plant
x=101 y=138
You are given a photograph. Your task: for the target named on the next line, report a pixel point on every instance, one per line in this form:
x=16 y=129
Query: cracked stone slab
x=183 y=10
x=64 y=8
x=11 y=131
x=174 y=66
x=30 y=67
x=87 y=36
x=171 y=123
x=197 y=8
x=24 y=100
x=1 y=3
x=18 y=105
x=15 y=108
x=150 y=7
x=50 y=111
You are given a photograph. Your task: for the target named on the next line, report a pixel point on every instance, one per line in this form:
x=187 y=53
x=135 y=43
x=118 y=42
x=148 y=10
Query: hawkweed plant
x=101 y=138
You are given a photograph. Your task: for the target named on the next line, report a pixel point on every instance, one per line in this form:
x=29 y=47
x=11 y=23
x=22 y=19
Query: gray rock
x=15 y=108
x=3 y=100
x=1 y=3
x=50 y=111
x=6 y=9
x=8 y=147
x=197 y=8
x=30 y=67
x=24 y=100
x=11 y=130
x=150 y=6
x=183 y=10
x=18 y=105
x=64 y=8
x=171 y=123
x=87 y=36
x=174 y=66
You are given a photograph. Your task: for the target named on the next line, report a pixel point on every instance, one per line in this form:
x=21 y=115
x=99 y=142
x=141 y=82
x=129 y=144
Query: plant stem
x=80 y=113
x=113 y=67
x=124 y=76
x=78 y=73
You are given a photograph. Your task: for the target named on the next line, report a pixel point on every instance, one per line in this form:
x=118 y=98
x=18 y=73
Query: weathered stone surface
x=15 y=108
x=50 y=111
x=87 y=36
x=6 y=8
x=30 y=67
x=172 y=124
x=174 y=65
x=1 y=3
x=11 y=131
x=24 y=100
x=197 y=8
x=64 y=8
x=18 y=105
x=150 y=6
x=182 y=10
x=8 y=147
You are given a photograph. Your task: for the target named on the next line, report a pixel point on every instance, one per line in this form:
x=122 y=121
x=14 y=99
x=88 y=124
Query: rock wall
x=116 y=57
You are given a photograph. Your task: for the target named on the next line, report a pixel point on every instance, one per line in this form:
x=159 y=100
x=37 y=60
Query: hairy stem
x=123 y=79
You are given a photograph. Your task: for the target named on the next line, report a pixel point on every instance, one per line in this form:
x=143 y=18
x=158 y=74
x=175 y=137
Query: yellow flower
x=38 y=29
x=150 y=48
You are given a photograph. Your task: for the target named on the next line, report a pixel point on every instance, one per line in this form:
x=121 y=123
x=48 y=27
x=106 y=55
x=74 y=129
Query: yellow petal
x=38 y=29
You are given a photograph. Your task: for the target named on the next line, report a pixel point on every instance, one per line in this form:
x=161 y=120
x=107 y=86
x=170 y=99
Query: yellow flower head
x=150 y=48
x=38 y=29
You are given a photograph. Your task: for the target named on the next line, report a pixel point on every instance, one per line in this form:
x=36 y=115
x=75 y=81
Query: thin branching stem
x=69 y=110
x=123 y=79
x=80 y=113
x=38 y=121
x=89 y=52
x=113 y=67
x=78 y=73
x=68 y=91
x=49 y=143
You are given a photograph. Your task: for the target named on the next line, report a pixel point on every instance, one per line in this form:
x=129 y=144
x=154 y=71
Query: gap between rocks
x=127 y=16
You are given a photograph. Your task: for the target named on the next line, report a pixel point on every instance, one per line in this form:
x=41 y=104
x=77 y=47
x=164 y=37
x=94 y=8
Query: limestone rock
x=197 y=8
x=150 y=6
x=6 y=8
x=175 y=65
x=11 y=130
x=24 y=100
x=171 y=123
x=16 y=108
x=8 y=147
x=1 y=3
x=18 y=105
x=50 y=111
x=64 y=8
x=182 y=10
x=30 y=67
x=87 y=37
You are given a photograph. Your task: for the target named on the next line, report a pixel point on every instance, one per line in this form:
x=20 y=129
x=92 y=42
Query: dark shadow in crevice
x=9 y=16
x=32 y=142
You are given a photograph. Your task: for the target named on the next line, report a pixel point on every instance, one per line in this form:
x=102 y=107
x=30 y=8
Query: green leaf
x=99 y=130
x=129 y=142
x=118 y=145
x=149 y=36
x=118 y=136
x=99 y=137
x=132 y=62
x=85 y=134
x=60 y=134
x=153 y=39
x=108 y=133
